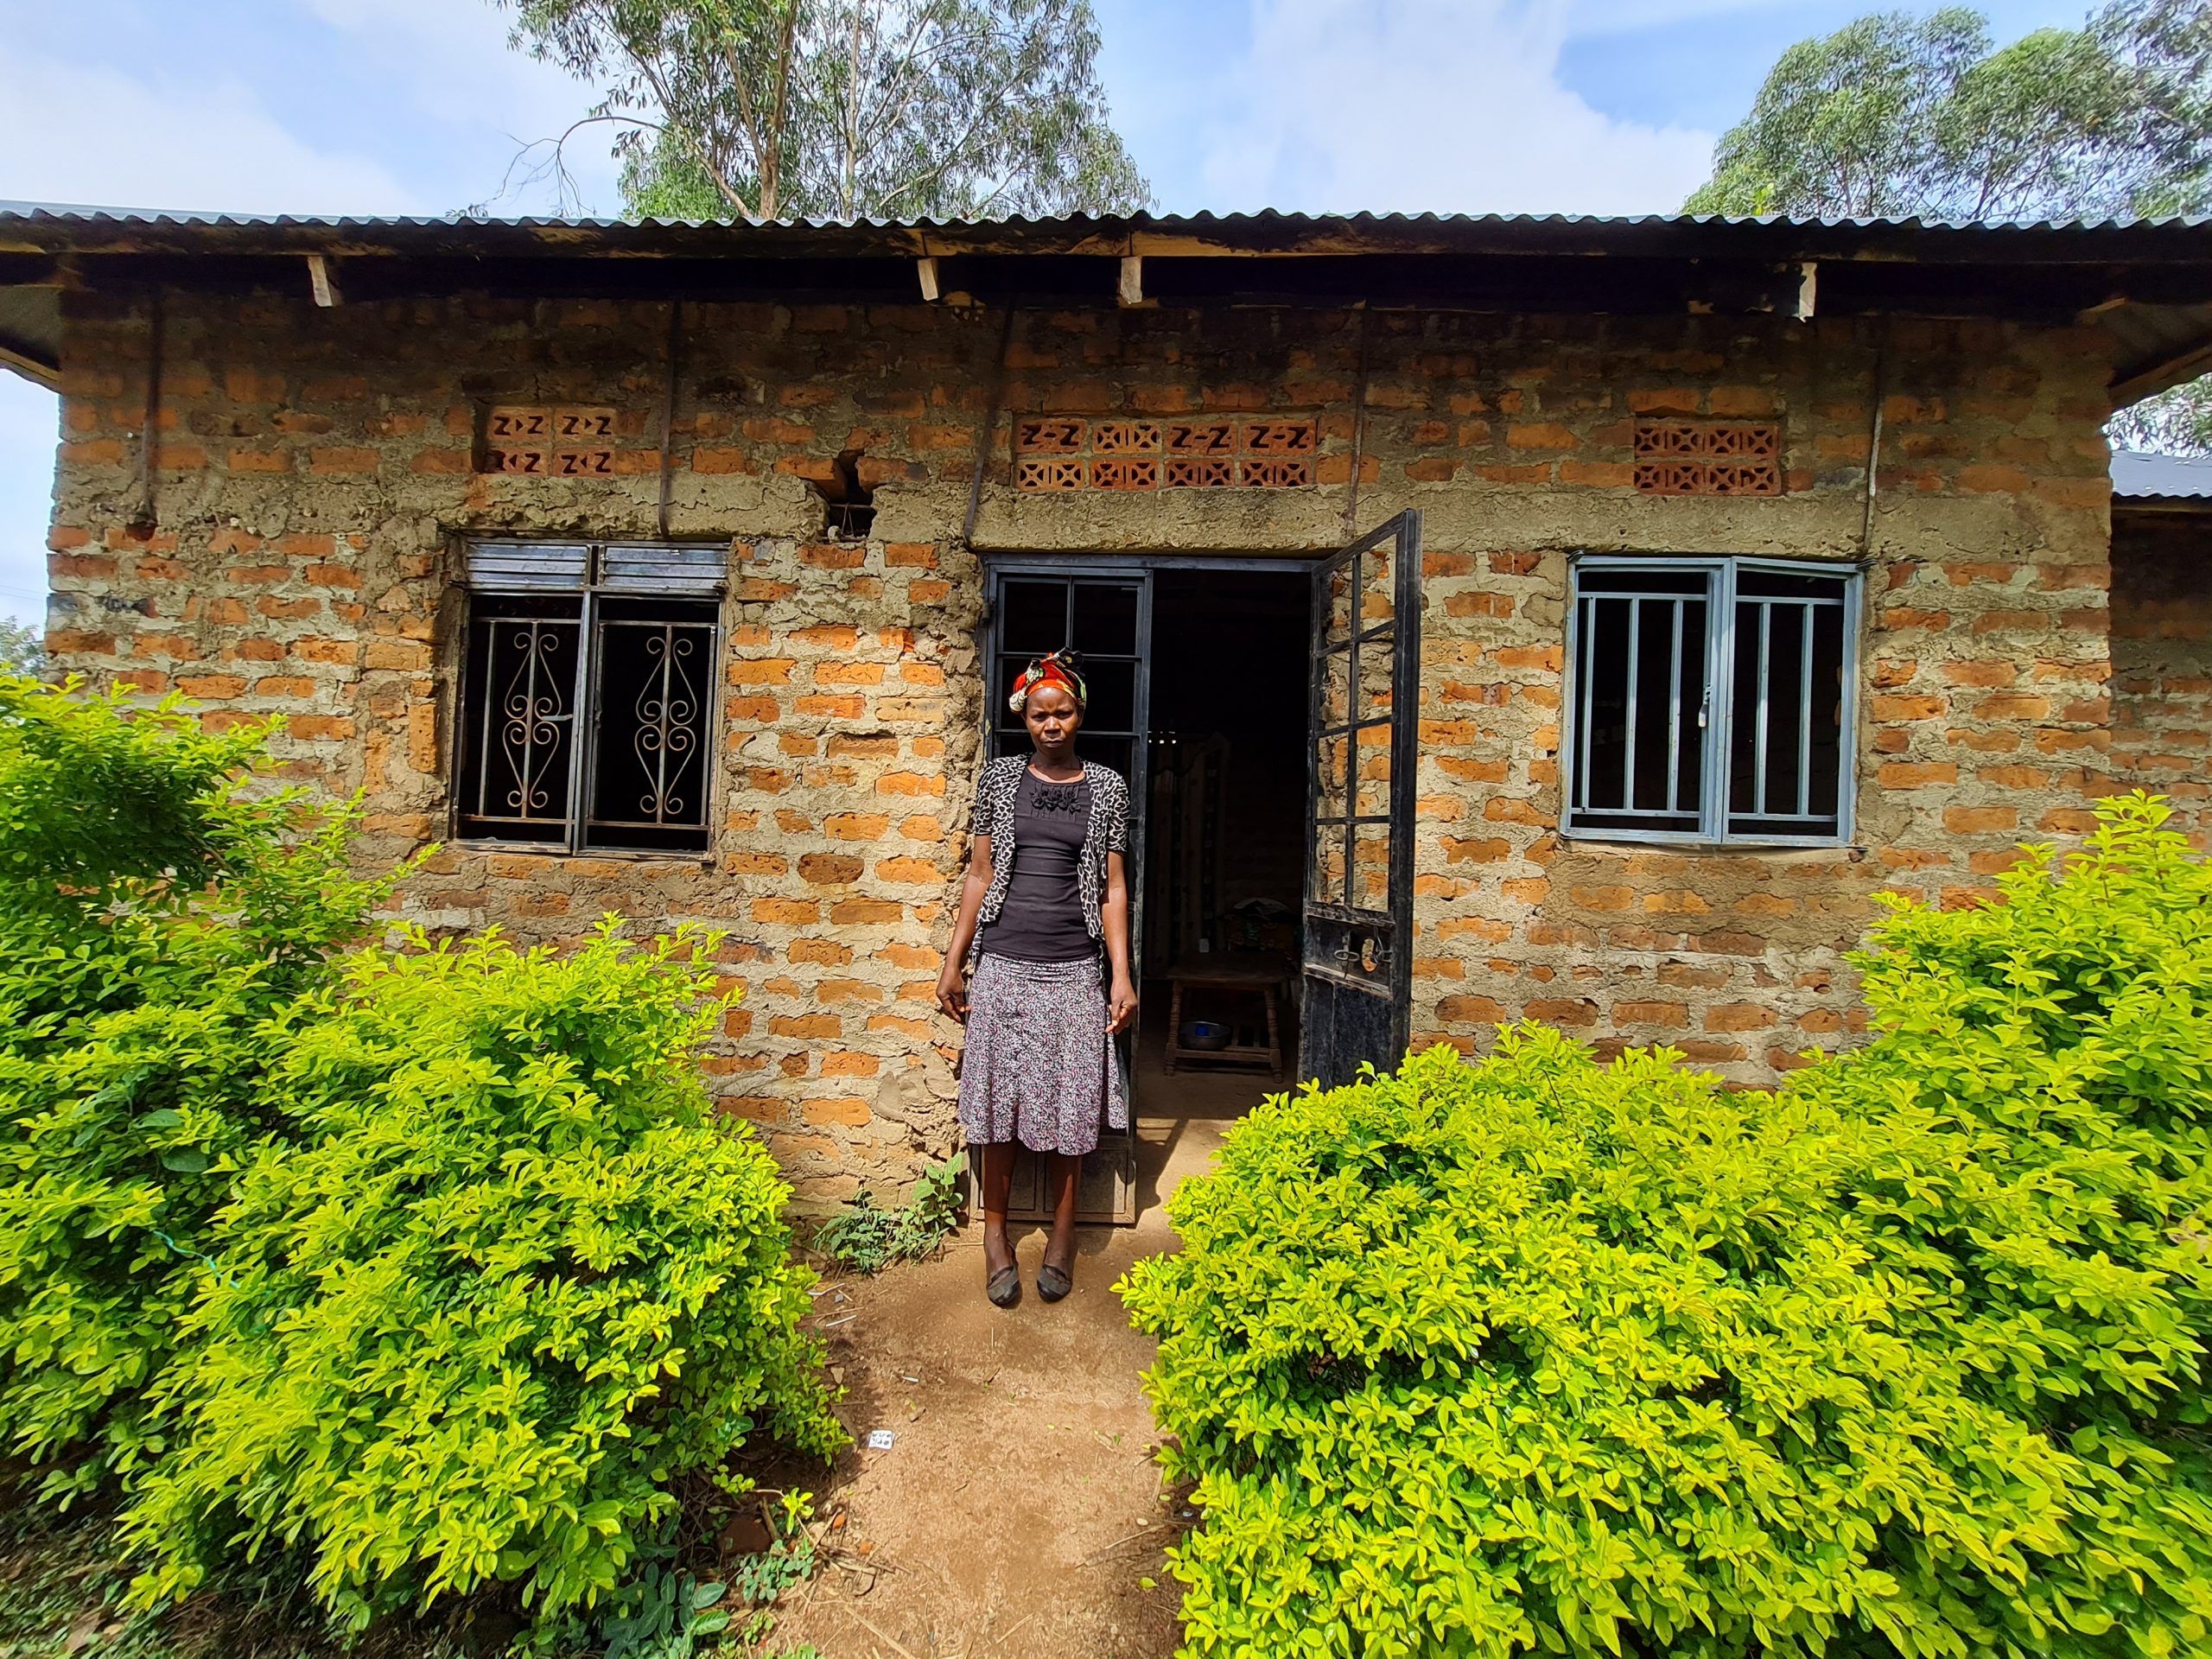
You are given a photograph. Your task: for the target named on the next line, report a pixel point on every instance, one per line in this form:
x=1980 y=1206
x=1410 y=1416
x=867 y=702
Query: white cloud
x=1449 y=106
x=140 y=142
x=452 y=59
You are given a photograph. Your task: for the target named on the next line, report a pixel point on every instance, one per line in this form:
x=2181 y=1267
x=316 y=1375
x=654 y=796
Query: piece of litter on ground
x=903 y=1377
x=881 y=1439
x=843 y=1319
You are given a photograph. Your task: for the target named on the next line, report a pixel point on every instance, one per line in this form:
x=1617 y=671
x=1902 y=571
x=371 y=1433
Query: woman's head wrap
x=1060 y=668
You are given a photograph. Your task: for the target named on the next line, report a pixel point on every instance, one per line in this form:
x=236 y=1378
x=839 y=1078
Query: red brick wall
x=313 y=472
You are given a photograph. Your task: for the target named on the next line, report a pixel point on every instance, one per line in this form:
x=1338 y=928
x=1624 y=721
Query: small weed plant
x=1536 y=1354
x=864 y=1238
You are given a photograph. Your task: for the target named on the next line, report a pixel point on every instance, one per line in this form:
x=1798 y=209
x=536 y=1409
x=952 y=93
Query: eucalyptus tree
x=1897 y=114
x=781 y=108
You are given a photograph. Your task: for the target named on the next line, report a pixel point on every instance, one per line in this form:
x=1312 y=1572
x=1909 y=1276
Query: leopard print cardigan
x=1108 y=833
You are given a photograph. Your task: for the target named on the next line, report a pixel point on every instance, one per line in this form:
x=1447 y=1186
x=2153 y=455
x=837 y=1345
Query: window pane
x=649 y=760
x=1106 y=618
x=1640 y=667
x=1326 y=879
x=1786 y=747
x=518 y=719
x=1332 y=766
x=1033 y=620
x=1605 y=579
x=1370 y=875
x=1113 y=706
x=1372 y=793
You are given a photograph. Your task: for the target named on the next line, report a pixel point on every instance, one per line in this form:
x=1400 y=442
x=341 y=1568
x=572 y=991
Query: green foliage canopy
x=790 y=108
x=1896 y=114
x=1907 y=1357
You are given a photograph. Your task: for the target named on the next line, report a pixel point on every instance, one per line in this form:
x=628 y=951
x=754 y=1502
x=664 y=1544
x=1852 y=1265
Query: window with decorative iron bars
x=587 y=696
x=1710 y=701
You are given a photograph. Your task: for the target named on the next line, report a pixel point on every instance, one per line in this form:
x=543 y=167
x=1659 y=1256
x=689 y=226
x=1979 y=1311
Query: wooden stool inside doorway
x=1264 y=976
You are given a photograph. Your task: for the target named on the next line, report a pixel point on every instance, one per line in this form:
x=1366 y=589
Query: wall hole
x=847 y=505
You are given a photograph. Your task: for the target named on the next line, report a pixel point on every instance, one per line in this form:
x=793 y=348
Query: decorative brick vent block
x=547 y=442
x=1709 y=458
x=1053 y=454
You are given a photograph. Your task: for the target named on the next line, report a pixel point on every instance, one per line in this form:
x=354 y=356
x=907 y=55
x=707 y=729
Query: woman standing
x=1045 y=895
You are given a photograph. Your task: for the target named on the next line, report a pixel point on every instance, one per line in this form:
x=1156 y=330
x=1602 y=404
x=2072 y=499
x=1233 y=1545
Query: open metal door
x=1361 y=755
x=1105 y=612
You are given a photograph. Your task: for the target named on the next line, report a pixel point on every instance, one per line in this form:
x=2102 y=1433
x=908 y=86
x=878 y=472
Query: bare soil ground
x=1019 y=1512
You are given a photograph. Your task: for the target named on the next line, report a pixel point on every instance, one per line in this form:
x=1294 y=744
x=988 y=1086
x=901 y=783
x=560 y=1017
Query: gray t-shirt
x=1042 y=917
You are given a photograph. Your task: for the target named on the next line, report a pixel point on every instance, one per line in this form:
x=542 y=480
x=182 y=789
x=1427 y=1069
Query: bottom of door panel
x=1345 y=1029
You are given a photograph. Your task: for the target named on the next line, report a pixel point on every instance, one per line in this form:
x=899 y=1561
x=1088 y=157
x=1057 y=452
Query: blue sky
x=416 y=106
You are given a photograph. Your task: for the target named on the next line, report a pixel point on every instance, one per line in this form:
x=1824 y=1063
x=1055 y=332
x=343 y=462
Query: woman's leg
x=998 y=1185
x=1066 y=1175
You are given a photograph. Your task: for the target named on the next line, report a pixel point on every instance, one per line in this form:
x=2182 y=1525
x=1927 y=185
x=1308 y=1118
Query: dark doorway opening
x=1223 y=864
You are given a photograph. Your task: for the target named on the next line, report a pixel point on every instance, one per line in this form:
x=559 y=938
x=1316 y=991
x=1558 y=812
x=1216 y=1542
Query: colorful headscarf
x=1060 y=668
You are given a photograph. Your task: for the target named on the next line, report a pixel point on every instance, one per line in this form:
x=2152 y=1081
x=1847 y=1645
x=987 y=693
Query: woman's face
x=1052 y=716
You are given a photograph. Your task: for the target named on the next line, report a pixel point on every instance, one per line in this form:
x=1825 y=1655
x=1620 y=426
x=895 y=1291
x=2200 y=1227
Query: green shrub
x=864 y=1238
x=517 y=1279
x=1905 y=1357
x=156 y=909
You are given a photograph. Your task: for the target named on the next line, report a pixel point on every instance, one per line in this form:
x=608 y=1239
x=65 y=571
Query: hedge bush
x=410 y=1269
x=1536 y=1353
x=158 y=907
x=519 y=1279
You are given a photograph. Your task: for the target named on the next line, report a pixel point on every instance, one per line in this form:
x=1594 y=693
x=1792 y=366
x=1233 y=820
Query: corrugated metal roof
x=1166 y=221
x=2137 y=476
x=2148 y=281
x=35 y=224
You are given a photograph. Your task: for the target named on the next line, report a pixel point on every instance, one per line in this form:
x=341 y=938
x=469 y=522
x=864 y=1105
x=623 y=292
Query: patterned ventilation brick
x=1049 y=474
x=547 y=442
x=1709 y=458
x=1053 y=454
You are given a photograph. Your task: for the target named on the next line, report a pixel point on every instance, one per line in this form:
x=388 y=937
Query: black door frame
x=1141 y=568
x=1337 y=935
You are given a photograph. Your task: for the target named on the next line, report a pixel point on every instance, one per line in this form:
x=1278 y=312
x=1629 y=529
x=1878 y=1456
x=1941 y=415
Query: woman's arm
x=1114 y=914
x=952 y=979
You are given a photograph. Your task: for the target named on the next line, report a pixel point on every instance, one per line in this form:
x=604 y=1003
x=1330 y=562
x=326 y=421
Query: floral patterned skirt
x=1037 y=1066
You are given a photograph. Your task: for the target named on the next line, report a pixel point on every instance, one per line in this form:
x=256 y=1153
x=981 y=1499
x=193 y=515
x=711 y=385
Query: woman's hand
x=952 y=990
x=1121 y=1005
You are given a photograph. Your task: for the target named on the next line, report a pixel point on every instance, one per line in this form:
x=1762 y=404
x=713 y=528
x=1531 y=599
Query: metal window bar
x=1725 y=612
x=686 y=570
x=1762 y=701
x=524 y=714
x=1805 y=711
x=1629 y=725
x=1674 y=710
x=670 y=725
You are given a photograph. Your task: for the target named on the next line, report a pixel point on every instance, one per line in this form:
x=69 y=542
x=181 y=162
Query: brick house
x=1710 y=576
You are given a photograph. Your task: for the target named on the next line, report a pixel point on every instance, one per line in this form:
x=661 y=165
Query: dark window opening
x=1710 y=702
x=847 y=505
x=586 y=715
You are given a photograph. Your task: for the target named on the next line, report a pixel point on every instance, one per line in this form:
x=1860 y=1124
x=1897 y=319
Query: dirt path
x=1019 y=1512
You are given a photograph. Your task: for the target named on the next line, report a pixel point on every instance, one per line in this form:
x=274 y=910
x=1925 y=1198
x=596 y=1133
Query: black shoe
x=1004 y=1286
x=1053 y=1283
